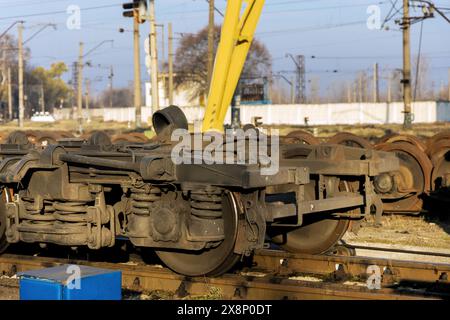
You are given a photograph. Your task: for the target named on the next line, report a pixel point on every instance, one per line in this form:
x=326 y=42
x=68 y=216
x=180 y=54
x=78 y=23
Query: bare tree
x=192 y=56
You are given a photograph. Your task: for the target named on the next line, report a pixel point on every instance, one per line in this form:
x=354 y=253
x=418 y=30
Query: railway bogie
x=200 y=218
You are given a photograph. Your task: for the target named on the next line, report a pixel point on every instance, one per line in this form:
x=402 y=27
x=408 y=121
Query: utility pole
x=20 y=76
x=10 y=112
x=406 y=81
x=87 y=99
x=137 y=71
x=349 y=92
x=448 y=84
x=111 y=76
x=360 y=82
x=299 y=62
x=210 y=42
x=170 y=62
x=42 y=98
x=154 y=58
x=80 y=89
x=389 y=89
x=376 y=92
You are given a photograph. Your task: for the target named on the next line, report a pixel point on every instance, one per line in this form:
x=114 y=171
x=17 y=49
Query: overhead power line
x=57 y=12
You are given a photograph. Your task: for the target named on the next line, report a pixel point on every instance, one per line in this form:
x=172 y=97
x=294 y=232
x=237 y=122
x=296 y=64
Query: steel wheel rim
x=350 y=140
x=211 y=262
x=407 y=138
x=302 y=137
x=415 y=161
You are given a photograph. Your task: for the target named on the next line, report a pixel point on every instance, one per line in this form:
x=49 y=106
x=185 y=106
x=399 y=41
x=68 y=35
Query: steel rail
x=396 y=250
x=231 y=286
x=392 y=270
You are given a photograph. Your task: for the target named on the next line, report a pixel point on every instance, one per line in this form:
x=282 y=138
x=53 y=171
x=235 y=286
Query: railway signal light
x=137 y=8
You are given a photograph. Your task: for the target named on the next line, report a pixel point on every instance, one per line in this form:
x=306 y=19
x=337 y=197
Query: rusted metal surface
x=229 y=286
x=411 y=182
x=415 y=141
x=199 y=217
x=395 y=270
x=350 y=140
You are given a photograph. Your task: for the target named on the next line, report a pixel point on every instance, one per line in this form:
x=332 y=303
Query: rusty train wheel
x=133 y=137
x=414 y=174
x=443 y=135
x=350 y=140
x=436 y=139
x=440 y=157
x=18 y=137
x=213 y=261
x=415 y=141
x=302 y=137
x=46 y=139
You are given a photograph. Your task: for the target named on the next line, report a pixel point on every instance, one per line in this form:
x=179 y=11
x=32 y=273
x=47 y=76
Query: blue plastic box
x=71 y=282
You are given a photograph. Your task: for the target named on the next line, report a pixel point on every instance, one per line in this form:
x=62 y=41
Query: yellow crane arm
x=235 y=41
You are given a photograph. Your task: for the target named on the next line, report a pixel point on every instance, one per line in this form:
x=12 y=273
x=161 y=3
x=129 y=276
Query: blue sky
x=334 y=31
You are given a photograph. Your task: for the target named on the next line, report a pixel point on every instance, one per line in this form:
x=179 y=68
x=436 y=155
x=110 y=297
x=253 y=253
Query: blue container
x=71 y=282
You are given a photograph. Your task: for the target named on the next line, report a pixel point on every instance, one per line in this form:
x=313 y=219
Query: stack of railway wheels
x=438 y=149
x=300 y=136
x=133 y=137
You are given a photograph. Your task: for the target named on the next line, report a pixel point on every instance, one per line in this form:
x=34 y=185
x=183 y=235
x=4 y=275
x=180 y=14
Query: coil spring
x=142 y=199
x=206 y=204
x=71 y=211
x=38 y=216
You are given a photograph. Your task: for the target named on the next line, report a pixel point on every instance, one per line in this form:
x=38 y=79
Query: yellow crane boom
x=235 y=40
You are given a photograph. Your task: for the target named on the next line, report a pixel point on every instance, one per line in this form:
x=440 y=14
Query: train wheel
x=405 y=138
x=46 y=140
x=18 y=137
x=318 y=234
x=213 y=261
x=3 y=242
x=301 y=136
x=440 y=157
x=350 y=140
x=437 y=138
x=134 y=137
x=415 y=173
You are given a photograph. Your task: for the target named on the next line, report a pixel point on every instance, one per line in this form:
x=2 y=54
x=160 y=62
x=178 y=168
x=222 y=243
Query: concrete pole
x=137 y=72
x=448 y=84
x=406 y=67
x=389 y=89
x=360 y=88
x=10 y=112
x=42 y=98
x=20 y=76
x=170 y=62
x=111 y=76
x=349 y=92
x=210 y=66
x=87 y=98
x=80 y=89
x=154 y=58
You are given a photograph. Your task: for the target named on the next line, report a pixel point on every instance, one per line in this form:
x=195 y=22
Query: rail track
x=274 y=275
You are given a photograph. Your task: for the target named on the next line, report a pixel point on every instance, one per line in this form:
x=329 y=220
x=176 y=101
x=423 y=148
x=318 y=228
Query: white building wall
x=317 y=114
